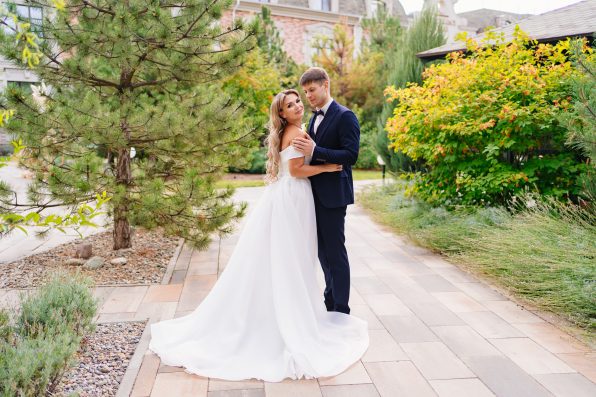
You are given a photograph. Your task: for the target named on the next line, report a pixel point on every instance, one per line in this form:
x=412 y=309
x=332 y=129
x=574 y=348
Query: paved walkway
x=434 y=329
x=18 y=244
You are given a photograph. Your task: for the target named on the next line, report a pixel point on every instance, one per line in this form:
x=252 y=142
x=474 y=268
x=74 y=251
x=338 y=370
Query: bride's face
x=292 y=109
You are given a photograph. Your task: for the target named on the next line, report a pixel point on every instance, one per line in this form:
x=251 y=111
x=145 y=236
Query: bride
x=264 y=318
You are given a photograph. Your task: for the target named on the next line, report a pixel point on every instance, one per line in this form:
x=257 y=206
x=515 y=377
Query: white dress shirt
x=320 y=117
x=319 y=120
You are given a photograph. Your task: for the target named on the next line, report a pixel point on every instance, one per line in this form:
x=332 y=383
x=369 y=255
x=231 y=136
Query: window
x=378 y=5
x=313 y=34
x=23 y=85
x=323 y=5
x=32 y=14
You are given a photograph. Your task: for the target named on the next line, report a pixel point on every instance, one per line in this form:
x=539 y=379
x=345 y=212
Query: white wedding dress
x=265 y=317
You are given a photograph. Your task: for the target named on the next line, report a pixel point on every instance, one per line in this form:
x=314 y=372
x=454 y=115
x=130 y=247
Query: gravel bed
x=102 y=360
x=146 y=261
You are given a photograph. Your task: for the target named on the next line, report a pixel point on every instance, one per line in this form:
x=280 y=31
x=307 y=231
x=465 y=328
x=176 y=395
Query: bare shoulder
x=290 y=133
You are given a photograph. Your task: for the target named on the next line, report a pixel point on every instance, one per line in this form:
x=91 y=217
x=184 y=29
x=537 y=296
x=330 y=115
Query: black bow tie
x=318 y=112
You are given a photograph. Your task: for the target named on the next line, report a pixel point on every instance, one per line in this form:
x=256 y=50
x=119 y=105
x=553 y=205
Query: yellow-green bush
x=487 y=125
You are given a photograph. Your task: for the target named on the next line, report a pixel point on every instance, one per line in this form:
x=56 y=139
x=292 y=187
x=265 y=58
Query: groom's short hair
x=314 y=74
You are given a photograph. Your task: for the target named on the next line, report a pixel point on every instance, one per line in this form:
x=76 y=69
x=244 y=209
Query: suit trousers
x=333 y=256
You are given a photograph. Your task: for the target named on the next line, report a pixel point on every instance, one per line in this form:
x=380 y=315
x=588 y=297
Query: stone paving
x=434 y=329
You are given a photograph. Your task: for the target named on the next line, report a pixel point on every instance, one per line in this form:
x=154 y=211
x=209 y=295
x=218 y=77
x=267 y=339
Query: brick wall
x=294 y=32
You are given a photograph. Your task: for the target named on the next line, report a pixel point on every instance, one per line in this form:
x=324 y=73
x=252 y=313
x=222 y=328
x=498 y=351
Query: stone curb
x=172 y=265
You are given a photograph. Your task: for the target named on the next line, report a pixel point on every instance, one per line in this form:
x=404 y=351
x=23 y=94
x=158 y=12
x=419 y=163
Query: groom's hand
x=304 y=144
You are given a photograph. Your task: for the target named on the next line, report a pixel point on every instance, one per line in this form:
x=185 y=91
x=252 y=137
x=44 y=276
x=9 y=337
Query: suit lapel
x=311 y=128
x=324 y=126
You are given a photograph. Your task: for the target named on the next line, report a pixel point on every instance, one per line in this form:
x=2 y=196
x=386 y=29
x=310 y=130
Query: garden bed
x=146 y=262
x=102 y=360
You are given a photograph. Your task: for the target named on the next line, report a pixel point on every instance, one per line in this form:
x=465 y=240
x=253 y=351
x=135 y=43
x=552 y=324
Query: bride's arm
x=300 y=170
x=296 y=165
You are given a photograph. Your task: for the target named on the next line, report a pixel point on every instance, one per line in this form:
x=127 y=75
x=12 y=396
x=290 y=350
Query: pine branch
x=87 y=3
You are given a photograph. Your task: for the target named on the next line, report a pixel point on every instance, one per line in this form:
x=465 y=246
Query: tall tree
x=271 y=44
x=336 y=54
x=142 y=77
x=425 y=32
x=580 y=120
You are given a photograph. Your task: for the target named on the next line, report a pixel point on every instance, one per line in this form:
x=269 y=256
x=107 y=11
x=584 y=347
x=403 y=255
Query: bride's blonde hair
x=276 y=126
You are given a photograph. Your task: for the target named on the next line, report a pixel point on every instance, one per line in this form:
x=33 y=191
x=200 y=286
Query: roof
x=574 y=20
x=480 y=19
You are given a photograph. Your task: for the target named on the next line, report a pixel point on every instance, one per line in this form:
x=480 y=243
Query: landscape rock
x=102 y=361
x=84 y=250
x=94 y=263
x=75 y=261
x=31 y=271
x=119 y=261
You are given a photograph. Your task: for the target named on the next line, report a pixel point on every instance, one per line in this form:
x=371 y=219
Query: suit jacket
x=338 y=142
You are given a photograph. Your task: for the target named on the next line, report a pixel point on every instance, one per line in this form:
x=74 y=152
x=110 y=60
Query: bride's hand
x=333 y=167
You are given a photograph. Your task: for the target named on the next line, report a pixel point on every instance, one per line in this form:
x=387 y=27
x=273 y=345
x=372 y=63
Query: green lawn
x=239 y=183
x=544 y=255
x=363 y=175
x=359 y=175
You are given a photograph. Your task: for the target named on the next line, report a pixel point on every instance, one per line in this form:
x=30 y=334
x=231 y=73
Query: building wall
x=9 y=71
x=355 y=7
x=297 y=33
x=299 y=26
x=297 y=3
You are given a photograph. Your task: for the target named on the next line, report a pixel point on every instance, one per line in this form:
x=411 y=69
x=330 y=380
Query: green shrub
x=487 y=125
x=254 y=165
x=32 y=366
x=62 y=301
x=367 y=157
x=6 y=330
x=39 y=345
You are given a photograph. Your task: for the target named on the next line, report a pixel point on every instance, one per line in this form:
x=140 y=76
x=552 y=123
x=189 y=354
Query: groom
x=334 y=137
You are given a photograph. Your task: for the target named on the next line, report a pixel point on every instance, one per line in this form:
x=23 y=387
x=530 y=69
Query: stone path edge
x=134 y=365
x=172 y=264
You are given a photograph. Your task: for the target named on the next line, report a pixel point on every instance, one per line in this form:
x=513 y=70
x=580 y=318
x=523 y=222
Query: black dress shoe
x=341 y=308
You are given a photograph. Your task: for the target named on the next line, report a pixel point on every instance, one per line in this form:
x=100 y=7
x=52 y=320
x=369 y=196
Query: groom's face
x=316 y=93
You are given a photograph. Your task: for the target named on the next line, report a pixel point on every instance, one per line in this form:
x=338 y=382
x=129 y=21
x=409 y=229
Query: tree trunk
x=122 y=230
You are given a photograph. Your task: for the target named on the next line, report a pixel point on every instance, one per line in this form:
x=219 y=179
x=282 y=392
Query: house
x=300 y=21
x=16 y=74
x=576 y=20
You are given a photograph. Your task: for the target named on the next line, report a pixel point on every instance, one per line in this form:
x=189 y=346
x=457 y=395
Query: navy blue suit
x=338 y=142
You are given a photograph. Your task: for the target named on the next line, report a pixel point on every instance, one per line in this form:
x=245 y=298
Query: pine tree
x=425 y=32
x=144 y=77
x=581 y=119
x=272 y=45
